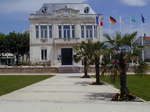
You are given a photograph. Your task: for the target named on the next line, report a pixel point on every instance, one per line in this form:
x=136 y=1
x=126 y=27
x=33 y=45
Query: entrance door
x=66 y=56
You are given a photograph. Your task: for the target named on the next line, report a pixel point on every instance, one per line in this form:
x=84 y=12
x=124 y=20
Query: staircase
x=69 y=69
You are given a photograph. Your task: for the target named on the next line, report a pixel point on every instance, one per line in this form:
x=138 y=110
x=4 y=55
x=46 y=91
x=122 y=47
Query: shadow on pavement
x=82 y=83
x=100 y=96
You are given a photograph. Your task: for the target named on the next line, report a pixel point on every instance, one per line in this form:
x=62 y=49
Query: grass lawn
x=14 y=82
x=138 y=85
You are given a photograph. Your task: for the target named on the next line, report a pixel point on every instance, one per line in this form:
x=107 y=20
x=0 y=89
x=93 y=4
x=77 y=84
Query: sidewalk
x=67 y=93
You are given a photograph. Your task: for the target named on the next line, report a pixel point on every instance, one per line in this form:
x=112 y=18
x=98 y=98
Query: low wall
x=47 y=69
x=29 y=69
x=42 y=69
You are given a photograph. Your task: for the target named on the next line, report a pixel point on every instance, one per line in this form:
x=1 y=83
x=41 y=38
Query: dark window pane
x=44 y=54
x=82 y=31
x=50 y=31
x=37 y=31
x=60 y=31
x=73 y=31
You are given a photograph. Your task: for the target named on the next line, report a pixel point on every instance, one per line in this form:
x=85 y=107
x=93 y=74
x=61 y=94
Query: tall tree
x=98 y=49
x=83 y=53
x=124 y=49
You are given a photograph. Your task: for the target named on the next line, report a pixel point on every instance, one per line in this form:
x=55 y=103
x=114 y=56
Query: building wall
x=54 y=44
x=35 y=53
x=147 y=52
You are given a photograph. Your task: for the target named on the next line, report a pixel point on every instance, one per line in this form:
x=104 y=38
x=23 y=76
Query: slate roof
x=51 y=8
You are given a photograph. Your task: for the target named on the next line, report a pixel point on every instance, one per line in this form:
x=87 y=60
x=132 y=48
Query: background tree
x=2 y=43
x=24 y=45
x=15 y=43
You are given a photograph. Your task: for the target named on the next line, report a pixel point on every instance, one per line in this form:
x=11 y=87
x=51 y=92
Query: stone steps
x=69 y=69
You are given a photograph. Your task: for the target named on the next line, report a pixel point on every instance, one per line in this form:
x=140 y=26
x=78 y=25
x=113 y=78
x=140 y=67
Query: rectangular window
x=50 y=32
x=44 y=54
x=60 y=31
x=73 y=31
x=66 y=31
x=43 y=31
x=89 y=31
x=82 y=31
x=37 y=31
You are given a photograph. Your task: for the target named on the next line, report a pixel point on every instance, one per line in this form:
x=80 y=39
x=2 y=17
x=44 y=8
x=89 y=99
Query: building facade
x=146 y=50
x=145 y=42
x=56 y=28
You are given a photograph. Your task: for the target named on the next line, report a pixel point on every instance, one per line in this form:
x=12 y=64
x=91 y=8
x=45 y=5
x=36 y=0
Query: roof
x=147 y=38
x=51 y=8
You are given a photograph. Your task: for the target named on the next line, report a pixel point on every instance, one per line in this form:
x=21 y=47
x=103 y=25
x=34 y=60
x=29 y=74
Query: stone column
x=70 y=32
x=62 y=31
x=93 y=32
x=55 y=32
x=102 y=38
x=77 y=31
x=85 y=36
x=98 y=33
x=54 y=39
x=39 y=31
x=47 y=31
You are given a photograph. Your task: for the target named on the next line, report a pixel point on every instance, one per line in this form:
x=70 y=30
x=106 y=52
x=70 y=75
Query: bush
x=141 y=68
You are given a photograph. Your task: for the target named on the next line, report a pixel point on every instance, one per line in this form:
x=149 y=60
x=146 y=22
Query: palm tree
x=97 y=52
x=83 y=53
x=124 y=49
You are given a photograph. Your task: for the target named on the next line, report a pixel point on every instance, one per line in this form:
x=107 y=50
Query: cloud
x=138 y=3
x=28 y=5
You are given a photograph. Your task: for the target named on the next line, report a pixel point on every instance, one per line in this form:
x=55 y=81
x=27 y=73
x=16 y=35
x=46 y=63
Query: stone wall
x=42 y=69
x=47 y=69
x=28 y=69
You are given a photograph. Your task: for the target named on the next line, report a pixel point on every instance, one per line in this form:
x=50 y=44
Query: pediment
x=67 y=10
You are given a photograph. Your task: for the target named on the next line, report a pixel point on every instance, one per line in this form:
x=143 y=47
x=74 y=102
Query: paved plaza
x=67 y=93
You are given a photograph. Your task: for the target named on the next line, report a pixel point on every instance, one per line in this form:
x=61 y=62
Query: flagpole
x=130 y=26
x=143 y=34
x=120 y=26
x=130 y=23
x=110 y=28
x=110 y=25
x=101 y=27
x=97 y=26
x=142 y=41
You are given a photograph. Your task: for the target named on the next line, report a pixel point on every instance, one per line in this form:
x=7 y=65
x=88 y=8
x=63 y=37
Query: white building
x=56 y=28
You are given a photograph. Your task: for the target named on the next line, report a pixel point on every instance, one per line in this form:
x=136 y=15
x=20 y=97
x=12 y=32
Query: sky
x=14 y=14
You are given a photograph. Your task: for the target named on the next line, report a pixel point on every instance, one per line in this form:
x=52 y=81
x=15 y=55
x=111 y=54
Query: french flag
x=99 y=21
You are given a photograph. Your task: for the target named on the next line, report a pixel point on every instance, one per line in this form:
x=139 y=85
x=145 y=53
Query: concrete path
x=67 y=93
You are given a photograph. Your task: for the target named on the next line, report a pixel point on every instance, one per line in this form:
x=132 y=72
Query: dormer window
x=44 y=10
x=86 y=10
